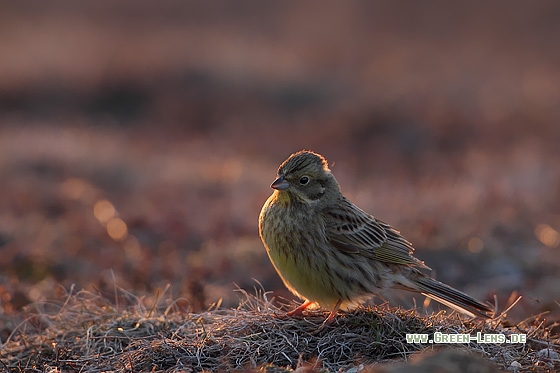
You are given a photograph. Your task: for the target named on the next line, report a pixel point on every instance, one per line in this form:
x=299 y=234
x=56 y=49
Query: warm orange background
x=138 y=140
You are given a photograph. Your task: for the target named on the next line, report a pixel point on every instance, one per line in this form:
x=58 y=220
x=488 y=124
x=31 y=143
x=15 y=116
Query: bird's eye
x=303 y=180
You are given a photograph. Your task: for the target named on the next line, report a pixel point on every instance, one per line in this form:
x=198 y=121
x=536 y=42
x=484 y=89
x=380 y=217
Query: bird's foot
x=299 y=311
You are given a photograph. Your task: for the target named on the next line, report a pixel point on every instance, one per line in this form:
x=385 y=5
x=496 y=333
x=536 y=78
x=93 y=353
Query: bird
x=331 y=254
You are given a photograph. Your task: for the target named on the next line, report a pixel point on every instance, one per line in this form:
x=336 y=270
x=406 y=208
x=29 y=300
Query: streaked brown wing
x=352 y=230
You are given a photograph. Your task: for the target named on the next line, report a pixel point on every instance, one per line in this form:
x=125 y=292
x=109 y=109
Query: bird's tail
x=453 y=298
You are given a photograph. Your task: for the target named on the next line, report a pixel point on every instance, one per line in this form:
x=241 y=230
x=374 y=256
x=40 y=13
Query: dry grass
x=87 y=333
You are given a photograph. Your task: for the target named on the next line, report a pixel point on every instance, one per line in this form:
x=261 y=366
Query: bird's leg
x=332 y=315
x=299 y=311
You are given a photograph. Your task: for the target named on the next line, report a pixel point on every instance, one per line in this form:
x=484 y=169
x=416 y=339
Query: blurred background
x=138 y=140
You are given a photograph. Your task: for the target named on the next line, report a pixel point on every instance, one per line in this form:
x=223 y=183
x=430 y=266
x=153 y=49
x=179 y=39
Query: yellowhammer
x=331 y=253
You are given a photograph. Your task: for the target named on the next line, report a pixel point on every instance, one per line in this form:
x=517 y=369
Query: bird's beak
x=280 y=184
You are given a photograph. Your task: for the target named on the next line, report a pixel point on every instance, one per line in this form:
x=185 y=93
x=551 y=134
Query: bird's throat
x=283 y=197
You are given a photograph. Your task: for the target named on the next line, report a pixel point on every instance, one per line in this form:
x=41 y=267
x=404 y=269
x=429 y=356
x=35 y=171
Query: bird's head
x=306 y=176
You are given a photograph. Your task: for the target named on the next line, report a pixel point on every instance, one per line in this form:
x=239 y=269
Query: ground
x=138 y=143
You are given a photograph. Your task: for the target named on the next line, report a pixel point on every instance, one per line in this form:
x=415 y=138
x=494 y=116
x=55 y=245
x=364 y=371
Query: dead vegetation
x=87 y=333
x=138 y=141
